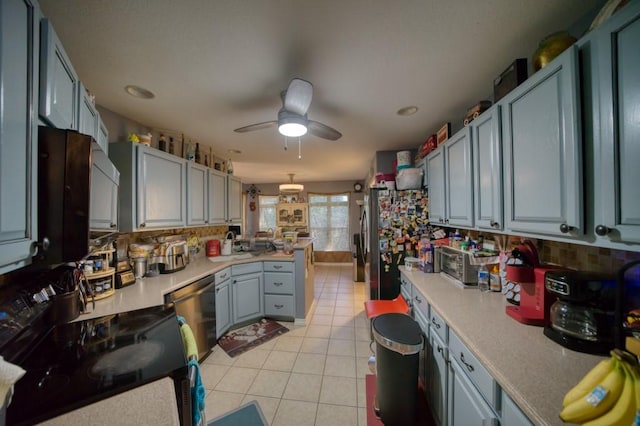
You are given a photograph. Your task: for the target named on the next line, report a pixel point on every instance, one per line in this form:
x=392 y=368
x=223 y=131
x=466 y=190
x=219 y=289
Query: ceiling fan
x=292 y=118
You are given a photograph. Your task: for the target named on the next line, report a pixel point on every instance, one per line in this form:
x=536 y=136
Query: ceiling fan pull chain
x=299 y=149
x=285 y=143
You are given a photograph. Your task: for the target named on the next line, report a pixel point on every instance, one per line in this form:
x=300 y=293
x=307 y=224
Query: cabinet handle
x=446 y=221
x=44 y=244
x=565 y=229
x=142 y=225
x=217 y=290
x=603 y=230
x=435 y=323
x=278 y=306
x=469 y=366
x=441 y=350
x=277 y=266
x=235 y=281
x=418 y=299
x=277 y=284
x=223 y=276
x=112 y=225
x=494 y=224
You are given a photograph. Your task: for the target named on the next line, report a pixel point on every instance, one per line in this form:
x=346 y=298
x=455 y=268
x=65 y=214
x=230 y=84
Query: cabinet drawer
x=438 y=324
x=278 y=306
x=278 y=282
x=278 y=266
x=422 y=321
x=420 y=303
x=246 y=268
x=405 y=289
x=474 y=370
x=220 y=276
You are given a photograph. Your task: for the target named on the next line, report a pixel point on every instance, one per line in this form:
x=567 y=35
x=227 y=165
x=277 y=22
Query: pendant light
x=290 y=188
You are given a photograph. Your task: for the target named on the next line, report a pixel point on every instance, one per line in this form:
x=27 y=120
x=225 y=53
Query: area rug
x=246 y=415
x=241 y=340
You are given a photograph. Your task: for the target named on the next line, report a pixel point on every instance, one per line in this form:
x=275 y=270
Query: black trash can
x=398 y=343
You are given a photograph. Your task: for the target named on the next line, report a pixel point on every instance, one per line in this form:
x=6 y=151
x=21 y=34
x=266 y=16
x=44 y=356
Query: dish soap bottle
x=483 y=278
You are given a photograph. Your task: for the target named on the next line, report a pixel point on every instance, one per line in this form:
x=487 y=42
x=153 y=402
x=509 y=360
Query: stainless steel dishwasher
x=196 y=302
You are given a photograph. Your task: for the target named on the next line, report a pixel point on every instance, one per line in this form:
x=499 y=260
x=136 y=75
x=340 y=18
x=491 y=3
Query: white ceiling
x=219 y=65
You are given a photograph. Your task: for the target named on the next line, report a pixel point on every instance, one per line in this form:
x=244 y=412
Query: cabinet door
x=234 y=207
x=542 y=151
x=511 y=414
x=487 y=169
x=299 y=213
x=223 y=308
x=459 y=177
x=616 y=163
x=247 y=298
x=103 y=211
x=161 y=189
x=88 y=116
x=466 y=406
x=103 y=136
x=19 y=31
x=437 y=186
x=59 y=84
x=197 y=194
x=439 y=371
x=217 y=197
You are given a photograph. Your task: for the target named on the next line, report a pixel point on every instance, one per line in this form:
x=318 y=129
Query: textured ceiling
x=218 y=65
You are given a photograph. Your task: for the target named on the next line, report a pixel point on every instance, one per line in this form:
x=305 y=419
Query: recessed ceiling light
x=139 y=92
x=409 y=110
x=234 y=151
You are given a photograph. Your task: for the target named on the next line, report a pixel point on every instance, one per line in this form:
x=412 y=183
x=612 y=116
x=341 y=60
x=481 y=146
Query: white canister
x=404 y=158
x=226 y=247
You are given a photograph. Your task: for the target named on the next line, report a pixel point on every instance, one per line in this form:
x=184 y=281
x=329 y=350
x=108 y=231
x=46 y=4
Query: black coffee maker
x=583 y=316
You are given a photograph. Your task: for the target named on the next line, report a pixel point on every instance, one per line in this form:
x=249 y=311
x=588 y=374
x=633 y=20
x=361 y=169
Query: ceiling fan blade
x=257 y=126
x=323 y=131
x=297 y=98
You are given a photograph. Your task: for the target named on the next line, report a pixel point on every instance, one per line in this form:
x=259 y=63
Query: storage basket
x=409 y=179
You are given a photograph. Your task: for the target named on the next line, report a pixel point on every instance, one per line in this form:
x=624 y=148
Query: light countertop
x=532 y=369
x=150 y=291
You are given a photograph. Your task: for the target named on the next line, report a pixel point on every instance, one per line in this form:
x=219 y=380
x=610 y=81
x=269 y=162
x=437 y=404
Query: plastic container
x=410 y=178
x=411 y=264
x=403 y=159
x=213 y=248
x=483 y=278
x=290 y=236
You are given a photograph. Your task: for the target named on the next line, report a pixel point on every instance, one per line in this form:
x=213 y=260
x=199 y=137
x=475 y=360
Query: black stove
x=72 y=365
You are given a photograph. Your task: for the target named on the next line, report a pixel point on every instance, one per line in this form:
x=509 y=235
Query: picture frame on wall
x=443 y=133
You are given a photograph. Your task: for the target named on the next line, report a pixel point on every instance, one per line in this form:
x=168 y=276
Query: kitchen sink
x=235 y=256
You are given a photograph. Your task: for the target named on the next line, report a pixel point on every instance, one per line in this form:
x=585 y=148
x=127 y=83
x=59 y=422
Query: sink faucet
x=233 y=236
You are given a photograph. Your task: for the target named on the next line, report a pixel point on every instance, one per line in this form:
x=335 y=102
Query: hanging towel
x=189 y=342
x=198 y=393
x=9 y=374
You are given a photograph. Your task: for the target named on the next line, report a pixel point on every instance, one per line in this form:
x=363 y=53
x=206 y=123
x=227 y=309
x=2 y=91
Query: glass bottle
x=197 y=153
x=162 y=143
x=172 y=146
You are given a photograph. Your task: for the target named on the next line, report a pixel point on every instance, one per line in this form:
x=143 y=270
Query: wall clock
x=357 y=187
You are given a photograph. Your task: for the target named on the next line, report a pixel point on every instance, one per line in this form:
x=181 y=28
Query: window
x=267 y=210
x=329 y=219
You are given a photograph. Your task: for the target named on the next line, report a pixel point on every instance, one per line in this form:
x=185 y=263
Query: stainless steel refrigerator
x=391 y=225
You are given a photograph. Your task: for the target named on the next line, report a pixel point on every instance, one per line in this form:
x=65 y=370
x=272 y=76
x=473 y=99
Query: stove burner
x=127 y=359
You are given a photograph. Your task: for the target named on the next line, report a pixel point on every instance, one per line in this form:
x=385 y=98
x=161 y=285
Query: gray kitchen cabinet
x=617 y=146
x=19 y=35
x=466 y=406
x=217 y=197
x=542 y=151
x=197 y=194
x=279 y=286
x=152 y=187
x=223 y=301
x=438 y=368
x=59 y=83
x=487 y=170
x=234 y=197
x=103 y=136
x=247 y=291
x=88 y=116
x=105 y=180
x=451 y=181
x=511 y=414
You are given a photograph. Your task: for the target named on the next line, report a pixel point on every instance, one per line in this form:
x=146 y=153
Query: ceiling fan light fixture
x=290 y=188
x=292 y=126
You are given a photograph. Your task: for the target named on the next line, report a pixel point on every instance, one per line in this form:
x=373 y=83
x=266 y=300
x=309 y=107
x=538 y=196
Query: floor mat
x=246 y=415
x=241 y=340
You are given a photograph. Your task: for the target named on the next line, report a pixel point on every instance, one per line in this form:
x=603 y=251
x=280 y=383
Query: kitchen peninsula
x=151 y=291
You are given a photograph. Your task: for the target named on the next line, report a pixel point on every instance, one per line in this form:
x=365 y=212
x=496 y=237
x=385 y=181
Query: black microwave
x=64 y=186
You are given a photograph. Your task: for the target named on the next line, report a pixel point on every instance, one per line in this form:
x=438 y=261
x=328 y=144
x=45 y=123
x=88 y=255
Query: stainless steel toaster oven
x=457 y=264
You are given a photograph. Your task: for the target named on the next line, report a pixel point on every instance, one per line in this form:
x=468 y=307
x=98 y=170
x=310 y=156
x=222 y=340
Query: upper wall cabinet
x=152 y=187
x=542 y=151
x=234 y=192
x=59 y=84
x=487 y=170
x=617 y=149
x=435 y=165
x=197 y=194
x=19 y=36
x=103 y=136
x=105 y=178
x=88 y=117
x=217 y=197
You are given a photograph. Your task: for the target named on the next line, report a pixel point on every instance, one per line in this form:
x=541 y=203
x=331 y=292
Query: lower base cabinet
x=279 y=286
x=511 y=414
x=437 y=395
x=247 y=292
x=224 y=307
x=466 y=405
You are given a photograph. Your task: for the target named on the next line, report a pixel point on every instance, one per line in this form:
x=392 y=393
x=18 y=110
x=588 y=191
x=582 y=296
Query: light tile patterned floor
x=312 y=375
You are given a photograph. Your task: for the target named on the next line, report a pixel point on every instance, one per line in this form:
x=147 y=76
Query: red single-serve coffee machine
x=535 y=300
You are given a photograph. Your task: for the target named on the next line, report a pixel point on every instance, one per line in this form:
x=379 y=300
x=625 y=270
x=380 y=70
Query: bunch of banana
x=609 y=394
